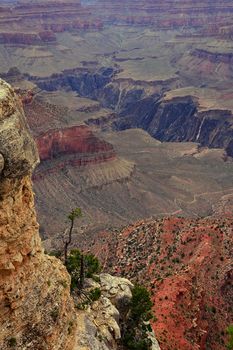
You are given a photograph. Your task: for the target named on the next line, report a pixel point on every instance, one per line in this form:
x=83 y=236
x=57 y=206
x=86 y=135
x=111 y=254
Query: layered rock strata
x=36 y=310
x=33 y=21
x=176 y=118
x=74 y=140
x=166 y=15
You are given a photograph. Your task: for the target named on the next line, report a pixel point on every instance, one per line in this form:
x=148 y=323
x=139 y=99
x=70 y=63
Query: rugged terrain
x=30 y=303
x=164 y=69
x=177 y=259
x=130 y=104
x=37 y=309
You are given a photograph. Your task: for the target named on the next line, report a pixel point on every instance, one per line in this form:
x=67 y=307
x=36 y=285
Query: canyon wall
x=27 y=22
x=167 y=14
x=179 y=118
x=75 y=146
x=36 y=308
x=32 y=22
x=74 y=140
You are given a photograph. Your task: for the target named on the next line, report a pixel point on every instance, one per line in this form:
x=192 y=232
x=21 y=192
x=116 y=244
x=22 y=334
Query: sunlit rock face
x=35 y=305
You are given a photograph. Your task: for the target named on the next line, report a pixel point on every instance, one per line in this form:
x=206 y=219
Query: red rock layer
x=187 y=264
x=73 y=140
x=74 y=146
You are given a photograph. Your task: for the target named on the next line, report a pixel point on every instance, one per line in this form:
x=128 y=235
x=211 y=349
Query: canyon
x=130 y=106
x=38 y=310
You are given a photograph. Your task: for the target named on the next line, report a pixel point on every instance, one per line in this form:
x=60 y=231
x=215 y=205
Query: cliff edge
x=36 y=310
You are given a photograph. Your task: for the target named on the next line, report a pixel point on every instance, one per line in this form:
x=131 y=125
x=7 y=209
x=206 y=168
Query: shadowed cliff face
x=35 y=307
x=177 y=119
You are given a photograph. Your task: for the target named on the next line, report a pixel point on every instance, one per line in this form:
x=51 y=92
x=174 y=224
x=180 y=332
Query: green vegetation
x=12 y=342
x=95 y=294
x=230 y=334
x=135 y=333
x=54 y=314
x=75 y=260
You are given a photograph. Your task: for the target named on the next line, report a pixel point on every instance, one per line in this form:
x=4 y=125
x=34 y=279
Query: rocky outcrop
x=36 y=309
x=35 y=304
x=100 y=327
x=102 y=317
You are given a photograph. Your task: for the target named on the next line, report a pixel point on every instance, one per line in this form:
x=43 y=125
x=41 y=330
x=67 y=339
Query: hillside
x=187 y=265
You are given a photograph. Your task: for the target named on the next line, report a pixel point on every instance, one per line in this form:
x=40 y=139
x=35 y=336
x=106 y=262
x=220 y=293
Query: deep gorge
x=176 y=120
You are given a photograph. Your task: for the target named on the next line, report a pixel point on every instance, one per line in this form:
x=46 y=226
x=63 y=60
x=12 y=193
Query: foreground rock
x=36 y=309
x=99 y=326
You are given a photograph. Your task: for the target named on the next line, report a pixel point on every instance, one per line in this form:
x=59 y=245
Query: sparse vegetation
x=95 y=294
x=230 y=334
x=12 y=342
x=75 y=261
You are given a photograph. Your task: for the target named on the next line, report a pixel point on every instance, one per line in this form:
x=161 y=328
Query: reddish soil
x=187 y=265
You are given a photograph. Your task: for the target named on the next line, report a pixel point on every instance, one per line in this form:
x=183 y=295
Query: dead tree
x=74 y=214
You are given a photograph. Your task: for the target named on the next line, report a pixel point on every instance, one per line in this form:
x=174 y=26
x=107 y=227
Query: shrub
x=135 y=334
x=91 y=266
x=230 y=334
x=12 y=342
x=95 y=294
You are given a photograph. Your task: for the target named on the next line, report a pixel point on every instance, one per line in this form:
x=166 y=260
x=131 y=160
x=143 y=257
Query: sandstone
x=16 y=144
x=29 y=305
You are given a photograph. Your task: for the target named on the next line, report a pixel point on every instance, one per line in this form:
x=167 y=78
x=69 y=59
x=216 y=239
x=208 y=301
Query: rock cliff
x=77 y=139
x=184 y=116
x=36 y=308
x=37 y=311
